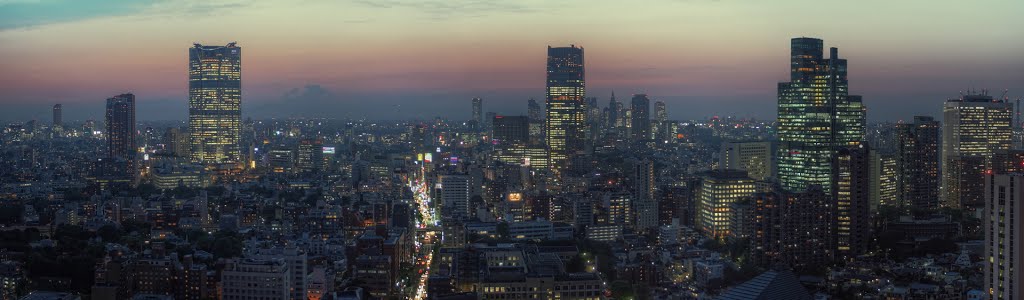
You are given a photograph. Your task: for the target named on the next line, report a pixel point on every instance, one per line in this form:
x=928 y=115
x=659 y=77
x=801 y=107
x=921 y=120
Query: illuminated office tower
x=975 y=127
x=566 y=110
x=753 y=157
x=641 y=109
x=1003 y=241
x=917 y=162
x=719 y=189
x=58 y=116
x=478 y=110
x=455 y=195
x=120 y=118
x=852 y=194
x=214 y=105
x=816 y=116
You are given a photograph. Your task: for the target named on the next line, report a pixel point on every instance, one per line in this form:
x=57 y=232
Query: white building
x=297 y=268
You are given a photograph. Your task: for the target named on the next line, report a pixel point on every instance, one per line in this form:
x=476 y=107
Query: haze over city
x=401 y=59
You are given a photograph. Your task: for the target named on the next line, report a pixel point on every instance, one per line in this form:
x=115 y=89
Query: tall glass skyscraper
x=120 y=117
x=214 y=105
x=566 y=106
x=816 y=116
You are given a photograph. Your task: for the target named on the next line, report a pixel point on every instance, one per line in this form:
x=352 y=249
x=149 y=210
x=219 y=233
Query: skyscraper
x=215 y=99
x=816 y=116
x=852 y=194
x=566 y=108
x=613 y=113
x=536 y=115
x=644 y=204
x=975 y=127
x=120 y=117
x=641 y=108
x=478 y=110
x=1003 y=241
x=58 y=115
x=794 y=229
x=660 y=114
x=917 y=163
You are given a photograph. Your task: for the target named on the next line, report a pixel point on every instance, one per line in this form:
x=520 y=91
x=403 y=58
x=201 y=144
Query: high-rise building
x=121 y=132
x=793 y=229
x=214 y=105
x=753 y=157
x=1004 y=244
x=660 y=114
x=645 y=206
x=176 y=141
x=719 y=189
x=58 y=115
x=536 y=114
x=884 y=177
x=612 y=113
x=852 y=194
x=455 y=194
x=478 y=110
x=566 y=108
x=511 y=130
x=975 y=127
x=310 y=155
x=641 y=109
x=816 y=116
x=917 y=162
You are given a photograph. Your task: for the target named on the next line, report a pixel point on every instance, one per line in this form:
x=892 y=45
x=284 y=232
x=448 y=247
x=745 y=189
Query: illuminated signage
x=328 y=150
x=515 y=197
x=428 y=157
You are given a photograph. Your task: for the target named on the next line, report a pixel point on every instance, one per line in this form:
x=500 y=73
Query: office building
x=917 y=163
x=719 y=189
x=478 y=110
x=565 y=124
x=120 y=118
x=176 y=142
x=645 y=204
x=295 y=263
x=455 y=194
x=753 y=157
x=214 y=105
x=310 y=155
x=976 y=126
x=256 y=279
x=641 y=118
x=816 y=116
x=852 y=194
x=885 y=177
x=660 y=114
x=793 y=229
x=58 y=115
x=1004 y=220
x=511 y=130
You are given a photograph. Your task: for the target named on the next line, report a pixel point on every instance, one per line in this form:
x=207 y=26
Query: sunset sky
x=391 y=59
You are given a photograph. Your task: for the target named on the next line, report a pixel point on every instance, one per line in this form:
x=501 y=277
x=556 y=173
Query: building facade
x=215 y=100
x=565 y=124
x=976 y=126
x=816 y=116
x=917 y=162
x=1003 y=220
x=120 y=116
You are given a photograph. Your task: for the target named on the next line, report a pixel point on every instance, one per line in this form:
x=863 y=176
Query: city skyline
x=903 y=72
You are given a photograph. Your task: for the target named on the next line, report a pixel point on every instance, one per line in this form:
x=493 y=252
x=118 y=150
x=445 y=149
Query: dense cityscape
x=586 y=196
